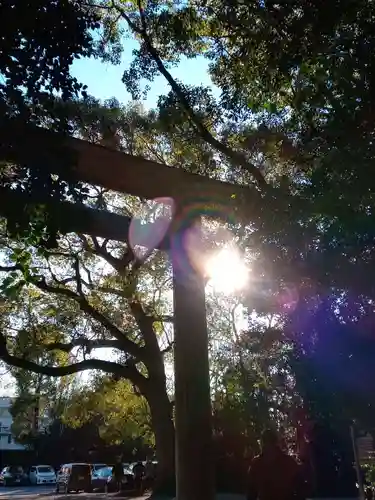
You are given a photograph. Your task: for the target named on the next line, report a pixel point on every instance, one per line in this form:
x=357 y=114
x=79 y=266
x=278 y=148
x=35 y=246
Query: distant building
x=6 y=438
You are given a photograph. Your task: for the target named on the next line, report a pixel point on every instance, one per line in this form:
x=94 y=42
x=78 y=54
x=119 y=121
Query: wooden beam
x=121 y=172
x=68 y=217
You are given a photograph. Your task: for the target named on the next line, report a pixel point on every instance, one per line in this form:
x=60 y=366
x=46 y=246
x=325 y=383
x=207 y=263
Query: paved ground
x=17 y=491
x=48 y=493
x=45 y=493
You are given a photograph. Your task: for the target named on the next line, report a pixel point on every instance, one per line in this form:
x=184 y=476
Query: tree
x=33 y=62
x=100 y=297
x=293 y=122
x=121 y=415
x=330 y=357
x=59 y=443
x=39 y=399
x=253 y=385
x=100 y=294
x=96 y=421
x=111 y=318
x=284 y=129
x=327 y=349
x=34 y=66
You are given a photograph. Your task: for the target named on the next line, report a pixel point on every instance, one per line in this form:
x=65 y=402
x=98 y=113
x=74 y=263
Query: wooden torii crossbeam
x=120 y=172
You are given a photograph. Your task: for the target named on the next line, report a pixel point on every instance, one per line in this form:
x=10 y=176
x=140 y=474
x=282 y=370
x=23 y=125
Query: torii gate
x=100 y=166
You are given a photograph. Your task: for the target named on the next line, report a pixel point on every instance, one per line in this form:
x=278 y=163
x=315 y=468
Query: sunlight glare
x=226 y=271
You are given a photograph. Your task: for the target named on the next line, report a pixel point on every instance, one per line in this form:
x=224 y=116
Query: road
x=48 y=493
x=44 y=493
x=21 y=491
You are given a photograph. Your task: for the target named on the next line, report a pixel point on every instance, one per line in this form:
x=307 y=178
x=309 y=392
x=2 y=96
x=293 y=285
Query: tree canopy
x=35 y=63
x=294 y=124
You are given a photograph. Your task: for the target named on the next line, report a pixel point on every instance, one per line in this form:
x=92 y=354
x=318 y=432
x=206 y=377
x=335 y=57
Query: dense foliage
x=294 y=122
x=38 y=45
x=39 y=42
x=120 y=414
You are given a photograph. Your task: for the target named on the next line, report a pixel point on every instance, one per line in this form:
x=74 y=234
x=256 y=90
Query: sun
x=226 y=271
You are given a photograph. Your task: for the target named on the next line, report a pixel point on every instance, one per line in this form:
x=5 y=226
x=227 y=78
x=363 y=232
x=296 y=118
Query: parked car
x=96 y=467
x=42 y=474
x=102 y=480
x=99 y=478
x=74 y=477
x=13 y=475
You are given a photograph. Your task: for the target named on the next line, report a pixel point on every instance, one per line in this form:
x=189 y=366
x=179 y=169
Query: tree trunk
x=162 y=423
x=155 y=391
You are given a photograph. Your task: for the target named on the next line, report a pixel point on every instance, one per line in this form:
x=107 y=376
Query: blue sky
x=104 y=80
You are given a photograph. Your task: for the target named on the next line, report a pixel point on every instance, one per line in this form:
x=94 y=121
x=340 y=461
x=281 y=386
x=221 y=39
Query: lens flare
x=147 y=232
x=226 y=271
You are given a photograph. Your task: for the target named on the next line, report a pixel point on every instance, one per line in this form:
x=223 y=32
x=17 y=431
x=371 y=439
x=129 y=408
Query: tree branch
x=8 y=269
x=118 y=265
x=124 y=15
x=129 y=372
x=142 y=16
x=84 y=342
x=235 y=156
x=169 y=348
x=145 y=323
x=165 y=318
x=78 y=279
x=126 y=344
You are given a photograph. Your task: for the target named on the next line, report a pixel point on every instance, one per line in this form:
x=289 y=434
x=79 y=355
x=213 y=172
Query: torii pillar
x=194 y=457
x=123 y=173
x=193 y=417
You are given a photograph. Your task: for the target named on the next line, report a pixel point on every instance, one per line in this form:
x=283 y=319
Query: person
x=138 y=472
x=118 y=474
x=273 y=474
x=149 y=474
x=369 y=494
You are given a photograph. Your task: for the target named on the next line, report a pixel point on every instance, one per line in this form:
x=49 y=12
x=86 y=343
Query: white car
x=42 y=474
